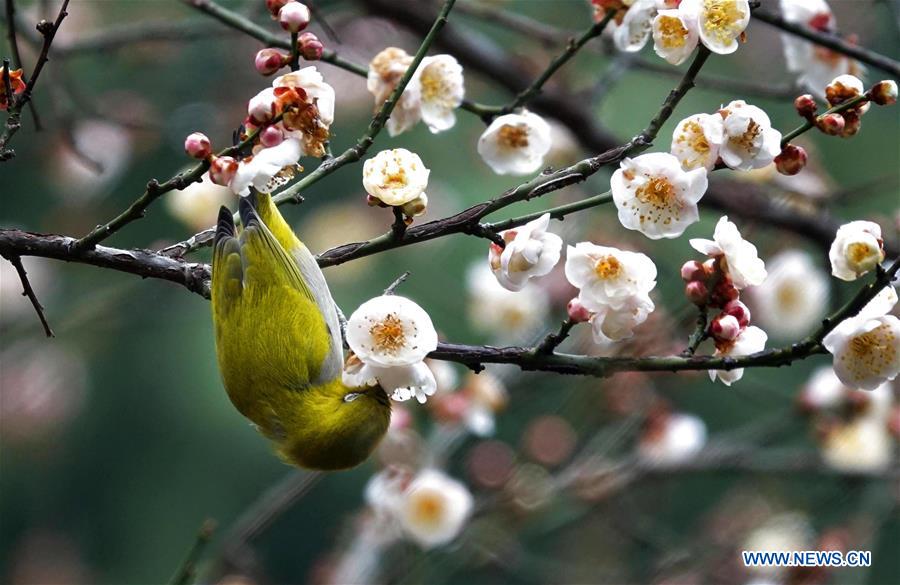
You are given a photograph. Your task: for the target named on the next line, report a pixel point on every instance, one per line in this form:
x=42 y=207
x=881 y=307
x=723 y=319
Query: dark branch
x=28 y=291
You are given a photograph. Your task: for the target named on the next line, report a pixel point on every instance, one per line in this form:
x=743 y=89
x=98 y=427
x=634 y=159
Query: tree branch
x=28 y=291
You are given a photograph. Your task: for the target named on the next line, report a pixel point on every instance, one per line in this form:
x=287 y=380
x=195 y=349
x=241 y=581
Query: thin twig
x=397 y=282
x=187 y=571
x=553 y=340
x=699 y=334
x=17 y=56
x=28 y=291
x=48 y=31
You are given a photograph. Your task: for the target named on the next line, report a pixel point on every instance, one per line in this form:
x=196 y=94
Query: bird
x=278 y=344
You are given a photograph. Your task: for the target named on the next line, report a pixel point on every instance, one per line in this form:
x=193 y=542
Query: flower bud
x=739 y=311
x=197 y=146
x=791 y=160
x=310 y=47
x=274 y=6
x=293 y=17
x=725 y=328
x=416 y=207
x=831 y=124
x=578 y=313
x=261 y=107
x=271 y=136
x=222 y=170
x=692 y=270
x=852 y=124
x=696 y=292
x=373 y=201
x=884 y=93
x=723 y=293
x=806 y=106
x=269 y=61
x=843 y=88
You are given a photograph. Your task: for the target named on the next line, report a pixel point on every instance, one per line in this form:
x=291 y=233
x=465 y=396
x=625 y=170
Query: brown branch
x=28 y=291
x=14 y=111
x=831 y=41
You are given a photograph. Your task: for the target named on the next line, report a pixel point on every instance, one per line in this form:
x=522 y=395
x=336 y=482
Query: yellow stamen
x=607 y=268
x=388 y=334
x=721 y=19
x=513 y=136
x=672 y=32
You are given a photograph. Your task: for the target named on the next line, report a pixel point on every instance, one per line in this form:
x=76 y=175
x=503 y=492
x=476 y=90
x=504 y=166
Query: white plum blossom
x=515 y=144
x=750 y=141
x=814 y=65
x=751 y=340
x=857 y=248
x=385 y=72
x=863 y=444
x=675 y=35
x=434 y=508
x=742 y=264
x=395 y=177
x=391 y=330
x=679 y=438
x=634 y=31
x=442 y=91
x=795 y=295
x=866 y=348
x=697 y=140
x=401 y=383
x=609 y=325
x=263 y=170
x=310 y=80
x=501 y=312
x=656 y=196
x=390 y=337
x=530 y=251
x=720 y=22
x=608 y=277
x=198 y=202
x=823 y=390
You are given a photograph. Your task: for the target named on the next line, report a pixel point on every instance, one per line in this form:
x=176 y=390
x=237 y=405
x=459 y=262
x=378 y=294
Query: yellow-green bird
x=278 y=344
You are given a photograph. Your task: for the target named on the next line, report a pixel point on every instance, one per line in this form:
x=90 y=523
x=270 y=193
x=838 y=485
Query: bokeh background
x=117 y=439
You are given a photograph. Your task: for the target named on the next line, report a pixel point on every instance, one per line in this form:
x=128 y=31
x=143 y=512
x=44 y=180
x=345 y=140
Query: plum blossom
x=385 y=72
x=515 y=144
x=267 y=169
x=674 y=438
x=395 y=177
x=609 y=325
x=390 y=337
x=434 y=508
x=697 y=139
x=866 y=348
x=608 y=277
x=634 y=31
x=720 y=22
x=656 y=196
x=863 y=444
x=814 y=65
x=500 y=311
x=751 y=340
x=857 y=248
x=795 y=296
x=675 y=35
x=742 y=264
x=530 y=251
x=442 y=91
x=750 y=141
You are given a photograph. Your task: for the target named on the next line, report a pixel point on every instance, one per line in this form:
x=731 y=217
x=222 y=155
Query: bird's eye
x=352 y=396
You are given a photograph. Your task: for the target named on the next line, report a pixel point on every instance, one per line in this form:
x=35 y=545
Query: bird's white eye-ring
x=350 y=397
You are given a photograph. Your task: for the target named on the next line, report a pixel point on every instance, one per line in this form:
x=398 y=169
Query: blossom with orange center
x=656 y=196
x=675 y=35
x=857 y=249
x=697 y=139
x=750 y=141
x=515 y=143
x=608 y=277
x=720 y=22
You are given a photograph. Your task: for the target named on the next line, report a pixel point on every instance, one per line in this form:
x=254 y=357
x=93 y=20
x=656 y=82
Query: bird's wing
x=227 y=272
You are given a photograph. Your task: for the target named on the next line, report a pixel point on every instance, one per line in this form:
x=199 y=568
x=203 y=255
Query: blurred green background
x=117 y=437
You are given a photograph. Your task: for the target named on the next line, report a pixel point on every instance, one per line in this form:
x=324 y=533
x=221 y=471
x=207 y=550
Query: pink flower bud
x=578 y=313
x=274 y=6
x=692 y=270
x=884 y=93
x=310 y=46
x=739 y=311
x=806 y=106
x=271 y=136
x=293 y=17
x=197 y=145
x=222 y=170
x=852 y=124
x=269 y=61
x=696 y=292
x=791 y=160
x=831 y=124
x=725 y=328
x=723 y=293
